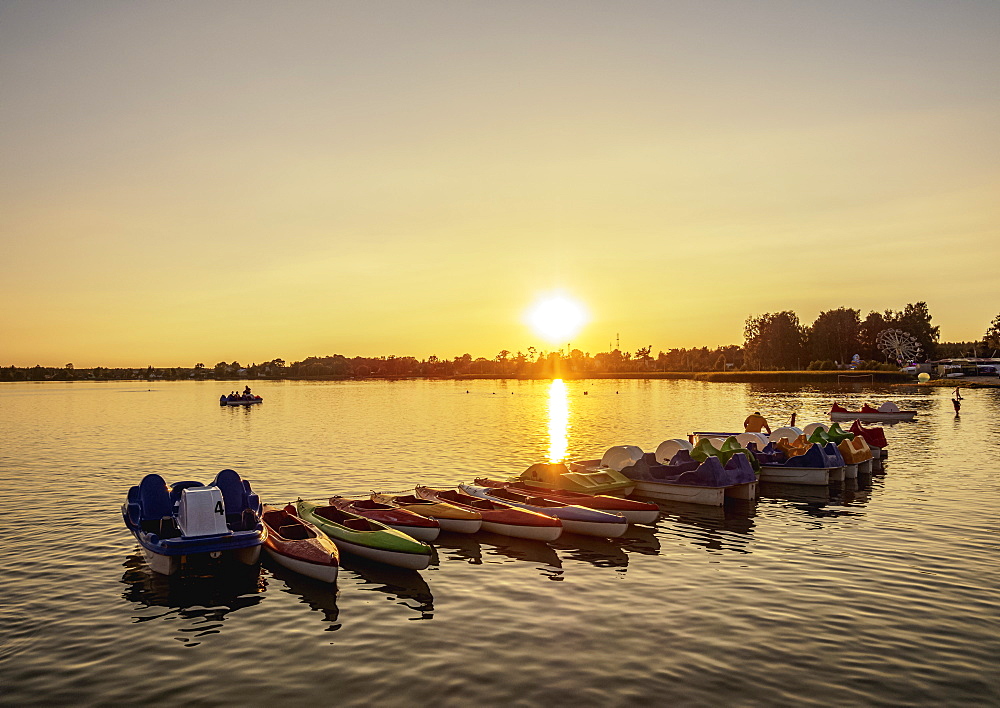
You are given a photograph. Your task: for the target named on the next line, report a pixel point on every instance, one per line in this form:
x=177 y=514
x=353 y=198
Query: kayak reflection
x=406 y=586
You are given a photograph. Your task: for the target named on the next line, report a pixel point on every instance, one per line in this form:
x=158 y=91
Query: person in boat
x=756 y=423
x=223 y=398
x=246 y=391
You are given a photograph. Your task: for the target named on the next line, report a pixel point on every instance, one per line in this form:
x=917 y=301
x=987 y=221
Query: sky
x=187 y=182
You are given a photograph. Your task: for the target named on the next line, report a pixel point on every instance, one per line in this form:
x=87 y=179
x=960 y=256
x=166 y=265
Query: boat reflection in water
x=477 y=550
x=203 y=602
x=716 y=528
x=318 y=596
x=599 y=552
x=640 y=539
x=407 y=587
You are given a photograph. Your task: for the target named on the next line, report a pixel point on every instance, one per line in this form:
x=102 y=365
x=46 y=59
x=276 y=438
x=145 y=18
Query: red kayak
x=413 y=525
x=635 y=512
x=499 y=518
x=299 y=546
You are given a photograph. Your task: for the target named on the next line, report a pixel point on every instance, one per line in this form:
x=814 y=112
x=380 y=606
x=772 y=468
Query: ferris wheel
x=899 y=345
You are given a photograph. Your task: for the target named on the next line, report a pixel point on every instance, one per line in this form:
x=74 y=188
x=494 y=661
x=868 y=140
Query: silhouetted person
x=957 y=402
x=756 y=423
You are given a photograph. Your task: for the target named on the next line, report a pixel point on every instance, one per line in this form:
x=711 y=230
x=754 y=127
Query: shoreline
x=892 y=378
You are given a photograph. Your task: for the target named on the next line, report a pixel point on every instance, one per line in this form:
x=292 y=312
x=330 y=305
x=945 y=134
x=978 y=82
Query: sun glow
x=557 y=318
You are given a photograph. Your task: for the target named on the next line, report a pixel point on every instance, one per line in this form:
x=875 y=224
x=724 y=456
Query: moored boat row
x=195 y=524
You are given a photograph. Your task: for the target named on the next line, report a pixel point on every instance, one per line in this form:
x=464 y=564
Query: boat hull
x=411 y=561
x=535 y=533
x=850 y=471
x=816 y=476
x=460 y=525
x=709 y=496
x=574 y=519
x=746 y=491
x=318 y=571
x=837 y=474
x=875 y=417
x=171 y=565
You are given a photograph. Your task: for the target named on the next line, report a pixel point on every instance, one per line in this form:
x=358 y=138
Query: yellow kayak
x=451 y=518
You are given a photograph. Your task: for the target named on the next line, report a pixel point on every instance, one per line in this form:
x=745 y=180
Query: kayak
x=635 y=512
x=413 y=525
x=366 y=538
x=574 y=519
x=451 y=518
x=498 y=517
x=298 y=545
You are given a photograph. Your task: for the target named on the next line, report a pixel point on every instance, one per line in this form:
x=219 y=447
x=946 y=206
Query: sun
x=556 y=318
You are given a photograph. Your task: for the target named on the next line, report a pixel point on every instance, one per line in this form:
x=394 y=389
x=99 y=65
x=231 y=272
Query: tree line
x=772 y=341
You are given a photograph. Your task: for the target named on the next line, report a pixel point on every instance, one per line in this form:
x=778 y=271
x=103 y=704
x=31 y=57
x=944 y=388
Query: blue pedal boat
x=191 y=524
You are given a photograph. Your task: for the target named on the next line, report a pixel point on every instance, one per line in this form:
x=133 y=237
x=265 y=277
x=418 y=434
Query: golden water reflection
x=558 y=421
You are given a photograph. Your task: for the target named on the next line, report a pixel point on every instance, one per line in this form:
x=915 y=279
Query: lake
x=883 y=594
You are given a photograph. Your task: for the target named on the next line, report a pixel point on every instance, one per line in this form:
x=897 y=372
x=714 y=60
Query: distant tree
x=915 y=319
x=199 y=366
x=834 y=335
x=774 y=341
x=720 y=363
x=643 y=358
x=991 y=340
x=874 y=323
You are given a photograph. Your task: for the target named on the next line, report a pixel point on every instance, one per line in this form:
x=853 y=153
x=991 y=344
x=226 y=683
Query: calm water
x=882 y=595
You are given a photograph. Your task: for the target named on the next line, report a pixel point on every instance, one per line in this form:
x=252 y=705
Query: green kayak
x=366 y=538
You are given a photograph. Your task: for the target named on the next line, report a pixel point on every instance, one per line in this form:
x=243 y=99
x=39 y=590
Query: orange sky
x=186 y=181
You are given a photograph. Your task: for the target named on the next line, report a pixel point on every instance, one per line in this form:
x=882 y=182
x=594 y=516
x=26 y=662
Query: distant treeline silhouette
x=773 y=342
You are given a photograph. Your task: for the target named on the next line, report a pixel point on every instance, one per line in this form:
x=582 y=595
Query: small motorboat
x=887 y=412
x=242 y=401
x=575 y=519
x=413 y=525
x=498 y=517
x=635 y=512
x=194 y=524
x=365 y=537
x=449 y=517
x=298 y=545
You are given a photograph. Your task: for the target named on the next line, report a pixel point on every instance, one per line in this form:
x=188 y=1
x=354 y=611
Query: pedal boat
x=808 y=465
x=574 y=519
x=449 y=517
x=366 y=538
x=875 y=437
x=413 y=525
x=498 y=517
x=192 y=524
x=635 y=512
x=888 y=412
x=587 y=477
x=682 y=478
x=296 y=544
x=856 y=454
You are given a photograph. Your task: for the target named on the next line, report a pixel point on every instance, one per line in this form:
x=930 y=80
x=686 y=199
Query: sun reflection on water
x=558 y=421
